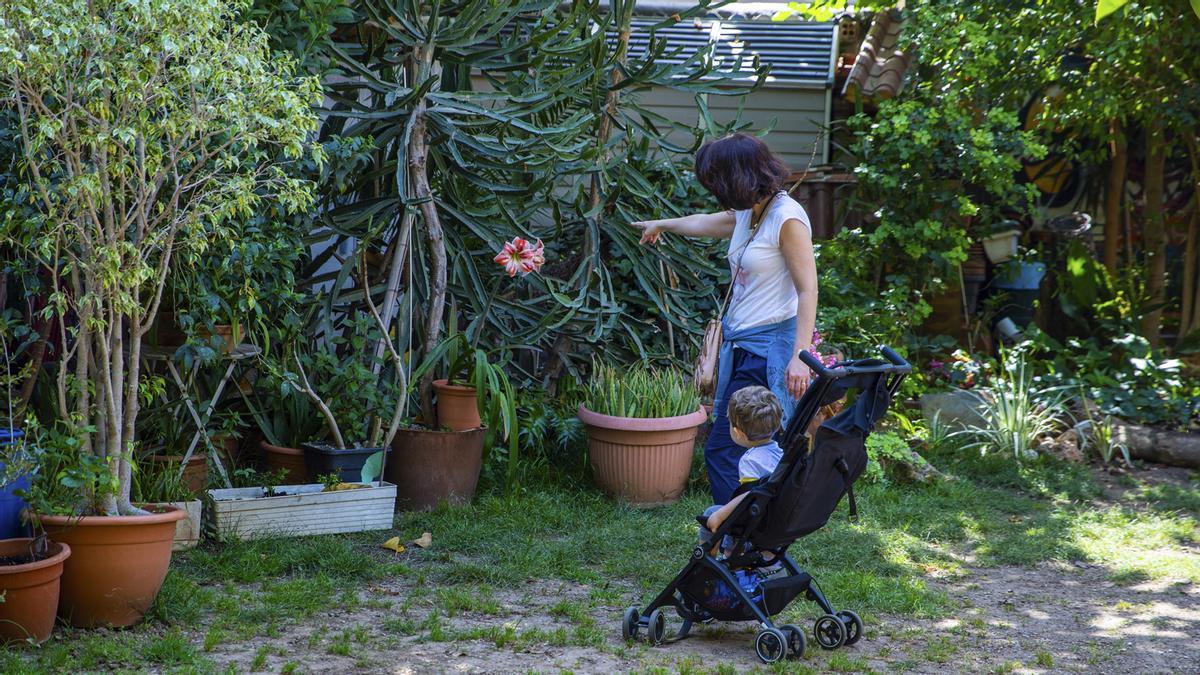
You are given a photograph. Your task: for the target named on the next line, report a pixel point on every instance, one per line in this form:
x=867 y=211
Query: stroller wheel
x=656 y=627
x=830 y=632
x=853 y=624
x=771 y=645
x=797 y=643
x=629 y=624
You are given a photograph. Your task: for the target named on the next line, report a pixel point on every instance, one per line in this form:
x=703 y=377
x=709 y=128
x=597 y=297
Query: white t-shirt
x=759 y=461
x=763 y=292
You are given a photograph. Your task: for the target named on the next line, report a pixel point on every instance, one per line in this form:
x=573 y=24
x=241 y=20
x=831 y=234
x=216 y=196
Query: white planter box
x=187 y=531
x=300 y=510
x=1002 y=246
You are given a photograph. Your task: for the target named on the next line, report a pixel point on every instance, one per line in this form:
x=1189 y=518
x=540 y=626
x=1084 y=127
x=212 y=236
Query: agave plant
x=1016 y=413
x=453 y=125
x=640 y=391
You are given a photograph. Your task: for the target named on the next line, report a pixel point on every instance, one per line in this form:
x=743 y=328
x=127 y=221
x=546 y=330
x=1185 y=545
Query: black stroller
x=795 y=500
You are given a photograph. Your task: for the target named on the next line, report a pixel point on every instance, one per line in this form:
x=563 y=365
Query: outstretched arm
x=718 y=225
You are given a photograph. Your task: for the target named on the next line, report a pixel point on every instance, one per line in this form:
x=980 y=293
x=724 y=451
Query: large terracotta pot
x=457 y=407
x=291 y=460
x=195 y=474
x=30 y=592
x=116 y=567
x=429 y=467
x=642 y=461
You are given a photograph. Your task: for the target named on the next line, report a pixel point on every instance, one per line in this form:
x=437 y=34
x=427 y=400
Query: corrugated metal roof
x=796 y=51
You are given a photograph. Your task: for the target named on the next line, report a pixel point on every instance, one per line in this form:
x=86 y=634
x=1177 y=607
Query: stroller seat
x=795 y=500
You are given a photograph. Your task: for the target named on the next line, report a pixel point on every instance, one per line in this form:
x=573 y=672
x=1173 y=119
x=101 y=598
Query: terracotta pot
x=642 y=461
x=290 y=460
x=195 y=474
x=30 y=592
x=429 y=467
x=222 y=331
x=167 y=333
x=116 y=567
x=457 y=407
x=227 y=446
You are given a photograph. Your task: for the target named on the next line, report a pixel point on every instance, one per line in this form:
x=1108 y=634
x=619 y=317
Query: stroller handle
x=813 y=362
x=898 y=364
x=895 y=358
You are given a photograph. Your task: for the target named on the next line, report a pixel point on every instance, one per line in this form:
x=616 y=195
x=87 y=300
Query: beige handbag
x=704 y=377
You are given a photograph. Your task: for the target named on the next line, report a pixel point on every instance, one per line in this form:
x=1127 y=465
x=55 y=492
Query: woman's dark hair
x=739 y=170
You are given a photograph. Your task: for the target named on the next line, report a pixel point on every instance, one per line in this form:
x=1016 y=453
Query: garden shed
x=795 y=101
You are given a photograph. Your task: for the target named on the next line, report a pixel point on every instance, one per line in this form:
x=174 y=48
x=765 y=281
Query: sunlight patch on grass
x=1139 y=546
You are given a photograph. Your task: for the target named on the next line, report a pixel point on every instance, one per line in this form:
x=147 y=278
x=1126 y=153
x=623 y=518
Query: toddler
x=754 y=417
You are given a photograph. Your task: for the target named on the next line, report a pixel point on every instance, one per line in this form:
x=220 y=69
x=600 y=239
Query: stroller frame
x=772 y=643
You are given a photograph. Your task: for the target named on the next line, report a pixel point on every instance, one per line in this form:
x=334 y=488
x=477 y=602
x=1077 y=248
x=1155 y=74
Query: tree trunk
x=1113 y=195
x=37 y=355
x=1165 y=447
x=591 y=244
x=418 y=151
x=1189 y=320
x=1154 y=232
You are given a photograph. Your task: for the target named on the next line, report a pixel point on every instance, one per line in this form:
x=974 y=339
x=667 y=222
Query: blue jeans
x=721 y=454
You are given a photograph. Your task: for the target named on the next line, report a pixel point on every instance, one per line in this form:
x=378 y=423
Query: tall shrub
x=146 y=129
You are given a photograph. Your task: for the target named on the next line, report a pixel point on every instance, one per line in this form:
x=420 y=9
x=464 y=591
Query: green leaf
x=372 y=468
x=1196 y=8
x=1106 y=7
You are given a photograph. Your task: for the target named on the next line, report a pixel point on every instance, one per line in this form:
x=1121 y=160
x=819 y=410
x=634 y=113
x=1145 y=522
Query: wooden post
x=1113 y=195
x=1153 y=229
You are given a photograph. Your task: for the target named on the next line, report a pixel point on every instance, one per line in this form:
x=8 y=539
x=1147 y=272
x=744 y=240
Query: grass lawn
x=558 y=532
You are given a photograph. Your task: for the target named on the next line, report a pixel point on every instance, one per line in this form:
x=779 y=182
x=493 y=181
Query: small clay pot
x=457 y=406
x=117 y=564
x=195 y=474
x=291 y=460
x=31 y=592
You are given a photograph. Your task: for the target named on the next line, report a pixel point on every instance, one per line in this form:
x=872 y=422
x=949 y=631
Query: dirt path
x=1042 y=619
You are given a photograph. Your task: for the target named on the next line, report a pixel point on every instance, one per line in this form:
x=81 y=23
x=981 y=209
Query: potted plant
x=267 y=508
x=1019 y=281
x=287 y=419
x=360 y=408
x=641 y=427
x=16 y=467
x=475 y=387
x=1001 y=244
x=162 y=484
x=441 y=456
x=142 y=188
x=164 y=442
x=30 y=569
x=30 y=574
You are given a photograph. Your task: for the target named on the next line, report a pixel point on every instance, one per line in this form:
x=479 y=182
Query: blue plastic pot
x=10 y=504
x=1020 y=276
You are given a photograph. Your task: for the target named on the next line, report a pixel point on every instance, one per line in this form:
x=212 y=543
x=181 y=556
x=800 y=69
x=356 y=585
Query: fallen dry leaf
x=394 y=544
x=424 y=540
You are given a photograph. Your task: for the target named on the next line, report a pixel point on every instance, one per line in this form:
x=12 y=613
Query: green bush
x=640 y=391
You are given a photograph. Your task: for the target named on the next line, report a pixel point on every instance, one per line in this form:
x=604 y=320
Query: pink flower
x=533 y=257
x=519 y=256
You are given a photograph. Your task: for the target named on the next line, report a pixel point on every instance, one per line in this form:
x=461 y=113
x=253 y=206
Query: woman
x=773 y=307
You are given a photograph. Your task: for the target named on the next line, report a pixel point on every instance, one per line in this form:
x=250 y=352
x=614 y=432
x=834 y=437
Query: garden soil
x=1070 y=617
x=1054 y=617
